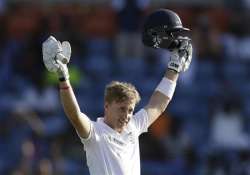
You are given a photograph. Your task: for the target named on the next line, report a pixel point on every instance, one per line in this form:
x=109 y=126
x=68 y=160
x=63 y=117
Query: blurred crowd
x=204 y=131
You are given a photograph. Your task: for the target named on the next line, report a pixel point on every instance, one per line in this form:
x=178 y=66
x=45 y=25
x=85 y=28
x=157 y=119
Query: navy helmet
x=161 y=29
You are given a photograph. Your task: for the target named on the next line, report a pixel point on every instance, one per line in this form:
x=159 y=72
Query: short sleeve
x=91 y=134
x=140 y=120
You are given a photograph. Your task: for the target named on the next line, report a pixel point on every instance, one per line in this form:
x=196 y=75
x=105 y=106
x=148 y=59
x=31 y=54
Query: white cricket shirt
x=111 y=153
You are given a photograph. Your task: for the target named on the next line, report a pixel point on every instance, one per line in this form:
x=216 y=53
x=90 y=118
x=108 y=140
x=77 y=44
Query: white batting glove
x=181 y=58
x=56 y=56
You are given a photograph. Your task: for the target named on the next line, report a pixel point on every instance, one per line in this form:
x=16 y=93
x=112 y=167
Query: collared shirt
x=111 y=153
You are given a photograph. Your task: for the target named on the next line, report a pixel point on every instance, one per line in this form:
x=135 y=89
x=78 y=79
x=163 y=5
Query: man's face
x=118 y=114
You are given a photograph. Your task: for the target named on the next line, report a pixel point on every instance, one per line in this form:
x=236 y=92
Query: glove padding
x=56 y=56
x=181 y=58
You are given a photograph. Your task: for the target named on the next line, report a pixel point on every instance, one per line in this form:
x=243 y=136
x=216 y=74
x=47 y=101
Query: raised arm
x=71 y=108
x=55 y=57
x=179 y=62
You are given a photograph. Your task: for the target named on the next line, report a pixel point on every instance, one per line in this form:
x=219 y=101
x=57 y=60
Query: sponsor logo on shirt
x=118 y=142
x=130 y=139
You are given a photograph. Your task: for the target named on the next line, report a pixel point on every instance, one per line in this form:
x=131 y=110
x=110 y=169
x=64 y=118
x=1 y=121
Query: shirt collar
x=101 y=121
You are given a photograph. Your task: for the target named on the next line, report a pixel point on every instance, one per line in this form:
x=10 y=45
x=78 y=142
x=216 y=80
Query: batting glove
x=56 y=55
x=181 y=58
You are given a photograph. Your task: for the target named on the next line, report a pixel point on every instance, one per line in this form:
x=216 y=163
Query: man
x=111 y=143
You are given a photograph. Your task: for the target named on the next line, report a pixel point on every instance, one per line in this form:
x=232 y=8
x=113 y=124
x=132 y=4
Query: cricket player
x=111 y=143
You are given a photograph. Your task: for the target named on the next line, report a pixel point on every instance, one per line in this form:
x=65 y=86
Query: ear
x=106 y=105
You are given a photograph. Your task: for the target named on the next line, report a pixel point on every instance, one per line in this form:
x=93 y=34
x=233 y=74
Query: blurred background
x=204 y=131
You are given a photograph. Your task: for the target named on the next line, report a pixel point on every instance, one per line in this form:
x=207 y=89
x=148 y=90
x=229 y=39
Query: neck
x=106 y=121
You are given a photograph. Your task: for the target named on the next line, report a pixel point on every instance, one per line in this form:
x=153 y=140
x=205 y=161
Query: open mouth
x=122 y=123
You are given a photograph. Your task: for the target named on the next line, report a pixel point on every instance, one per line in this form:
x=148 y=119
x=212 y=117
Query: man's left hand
x=181 y=58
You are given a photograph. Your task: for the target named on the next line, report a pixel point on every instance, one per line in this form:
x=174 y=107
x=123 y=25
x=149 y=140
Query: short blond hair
x=120 y=92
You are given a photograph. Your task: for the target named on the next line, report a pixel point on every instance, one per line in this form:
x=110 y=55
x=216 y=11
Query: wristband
x=166 y=87
x=64 y=88
x=62 y=79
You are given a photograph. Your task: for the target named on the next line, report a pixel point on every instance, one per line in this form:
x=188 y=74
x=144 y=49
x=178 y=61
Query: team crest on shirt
x=131 y=138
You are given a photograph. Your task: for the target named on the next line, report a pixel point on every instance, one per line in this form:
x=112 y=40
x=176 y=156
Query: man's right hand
x=56 y=56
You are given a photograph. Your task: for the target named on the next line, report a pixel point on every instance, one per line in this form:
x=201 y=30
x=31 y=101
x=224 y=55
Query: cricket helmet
x=161 y=29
